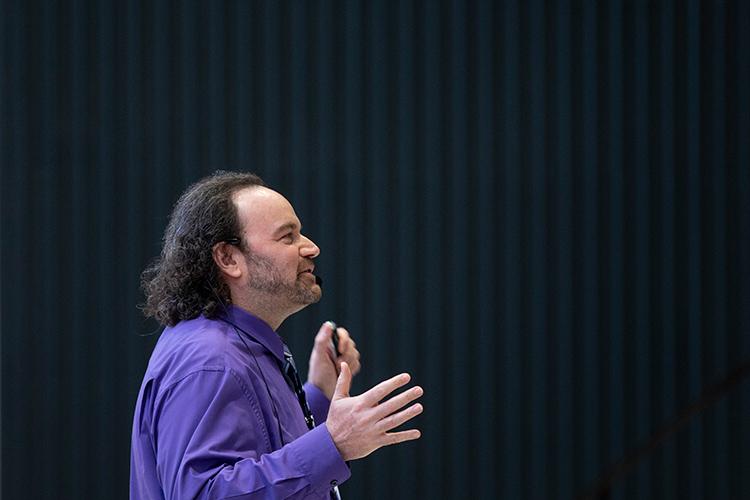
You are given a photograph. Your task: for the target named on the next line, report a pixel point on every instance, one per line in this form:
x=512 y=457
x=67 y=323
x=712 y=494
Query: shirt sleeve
x=210 y=440
x=318 y=402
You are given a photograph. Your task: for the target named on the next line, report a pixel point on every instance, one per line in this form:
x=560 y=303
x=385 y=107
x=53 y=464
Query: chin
x=315 y=297
x=306 y=296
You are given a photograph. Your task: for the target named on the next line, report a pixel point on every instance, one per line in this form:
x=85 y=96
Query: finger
x=350 y=355
x=323 y=336
x=393 y=421
x=343 y=383
x=397 y=402
x=380 y=391
x=345 y=340
x=400 y=437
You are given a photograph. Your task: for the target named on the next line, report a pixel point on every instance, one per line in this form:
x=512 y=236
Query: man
x=221 y=412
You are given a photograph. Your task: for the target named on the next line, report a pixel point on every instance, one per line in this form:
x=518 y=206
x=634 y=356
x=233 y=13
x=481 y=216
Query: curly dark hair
x=184 y=282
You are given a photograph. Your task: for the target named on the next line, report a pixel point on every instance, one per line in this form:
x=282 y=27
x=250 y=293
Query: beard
x=265 y=277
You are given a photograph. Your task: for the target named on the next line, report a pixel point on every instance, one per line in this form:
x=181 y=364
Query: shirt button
x=334 y=483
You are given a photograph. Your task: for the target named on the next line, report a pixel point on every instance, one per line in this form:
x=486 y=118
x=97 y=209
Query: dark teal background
x=539 y=209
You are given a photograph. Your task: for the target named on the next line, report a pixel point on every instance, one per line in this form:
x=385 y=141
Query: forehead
x=262 y=211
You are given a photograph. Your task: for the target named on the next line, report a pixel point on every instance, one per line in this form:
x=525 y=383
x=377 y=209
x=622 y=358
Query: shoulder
x=191 y=346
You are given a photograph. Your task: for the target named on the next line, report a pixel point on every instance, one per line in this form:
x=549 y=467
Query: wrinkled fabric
x=213 y=420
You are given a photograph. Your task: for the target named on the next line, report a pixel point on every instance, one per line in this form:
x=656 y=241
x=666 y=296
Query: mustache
x=307 y=264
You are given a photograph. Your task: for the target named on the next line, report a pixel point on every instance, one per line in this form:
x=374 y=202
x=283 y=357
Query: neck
x=264 y=308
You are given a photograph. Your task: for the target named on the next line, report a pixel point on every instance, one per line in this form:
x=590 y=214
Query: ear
x=227 y=258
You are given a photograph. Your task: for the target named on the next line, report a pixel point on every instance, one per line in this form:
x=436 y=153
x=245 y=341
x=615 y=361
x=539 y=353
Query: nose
x=308 y=248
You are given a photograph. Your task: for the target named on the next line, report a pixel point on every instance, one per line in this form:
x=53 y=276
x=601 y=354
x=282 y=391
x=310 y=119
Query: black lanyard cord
x=292 y=377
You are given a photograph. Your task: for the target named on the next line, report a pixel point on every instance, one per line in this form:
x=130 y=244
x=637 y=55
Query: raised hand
x=324 y=363
x=359 y=425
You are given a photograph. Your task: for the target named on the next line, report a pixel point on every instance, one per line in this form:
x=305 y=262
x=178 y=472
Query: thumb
x=324 y=335
x=344 y=382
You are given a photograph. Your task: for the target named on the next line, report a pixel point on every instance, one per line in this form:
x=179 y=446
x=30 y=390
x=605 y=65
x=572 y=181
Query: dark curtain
x=539 y=209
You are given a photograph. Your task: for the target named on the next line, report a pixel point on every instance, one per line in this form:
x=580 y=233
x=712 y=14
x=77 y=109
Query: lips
x=308 y=268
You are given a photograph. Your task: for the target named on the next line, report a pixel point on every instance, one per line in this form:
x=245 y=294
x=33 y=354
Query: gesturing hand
x=359 y=425
x=324 y=363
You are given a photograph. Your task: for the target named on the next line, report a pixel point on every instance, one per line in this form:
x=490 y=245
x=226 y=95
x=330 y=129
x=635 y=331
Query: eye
x=287 y=238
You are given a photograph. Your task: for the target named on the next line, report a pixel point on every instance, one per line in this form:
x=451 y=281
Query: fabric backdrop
x=539 y=209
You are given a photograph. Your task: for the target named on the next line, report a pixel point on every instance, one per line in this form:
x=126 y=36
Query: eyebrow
x=287 y=226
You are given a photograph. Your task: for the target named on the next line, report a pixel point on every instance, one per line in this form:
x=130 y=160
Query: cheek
x=291 y=263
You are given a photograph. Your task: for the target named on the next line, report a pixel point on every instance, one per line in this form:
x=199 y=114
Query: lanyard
x=292 y=376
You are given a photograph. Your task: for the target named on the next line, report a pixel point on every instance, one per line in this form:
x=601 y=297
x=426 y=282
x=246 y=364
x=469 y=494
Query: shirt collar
x=251 y=325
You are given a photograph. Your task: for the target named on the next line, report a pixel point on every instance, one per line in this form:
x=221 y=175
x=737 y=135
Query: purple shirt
x=211 y=421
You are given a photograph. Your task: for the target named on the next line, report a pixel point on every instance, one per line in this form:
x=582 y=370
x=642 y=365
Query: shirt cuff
x=318 y=402
x=317 y=455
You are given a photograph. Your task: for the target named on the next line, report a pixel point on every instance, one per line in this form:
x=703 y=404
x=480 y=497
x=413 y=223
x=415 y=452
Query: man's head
x=270 y=272
x=217 y=248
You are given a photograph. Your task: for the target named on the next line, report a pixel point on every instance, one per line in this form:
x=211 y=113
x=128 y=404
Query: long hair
x=184 y=281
